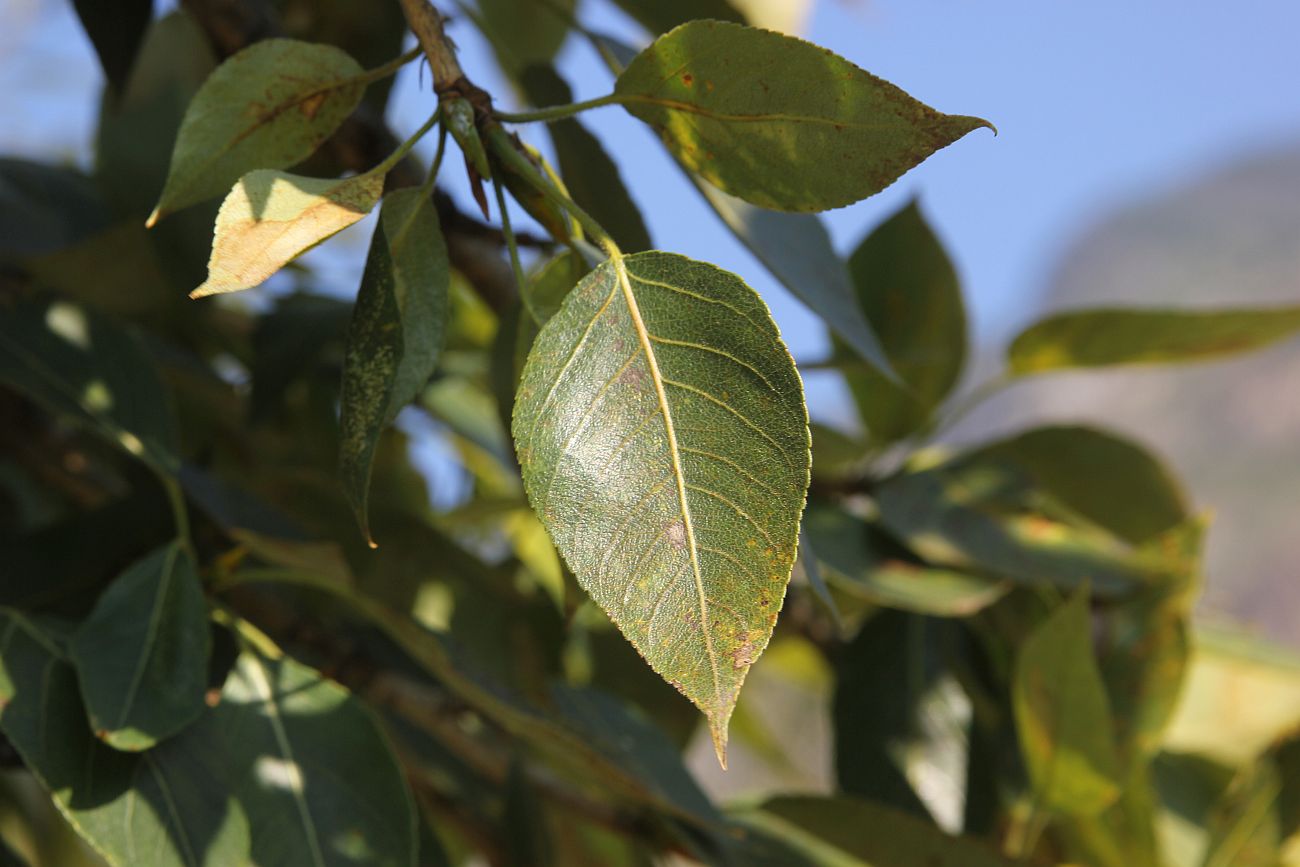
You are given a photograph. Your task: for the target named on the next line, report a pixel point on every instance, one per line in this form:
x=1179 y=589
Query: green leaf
x=267 y=107
x=908 y=289
x=1063 y=716
x=168 y=802
x=116 y=30
x=142 y=654
x=843 y=831
x=660 y=16
x=395 y=336
x=1105 y=337
x=46 y=208
x=777 y=121
x=270 y=218
x=591 y=177
x=524 y=32
x=83 y=365
x=662 y=433
x=1108 y=479
x=797 y=249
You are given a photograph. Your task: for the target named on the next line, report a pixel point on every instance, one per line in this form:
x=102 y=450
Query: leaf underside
x=663 y=437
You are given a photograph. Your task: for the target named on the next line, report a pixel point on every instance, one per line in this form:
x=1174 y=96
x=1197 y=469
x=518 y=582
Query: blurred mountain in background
x=1232 y=430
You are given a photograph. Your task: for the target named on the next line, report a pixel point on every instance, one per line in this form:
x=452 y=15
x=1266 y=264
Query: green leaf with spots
x=909 y=292
x=395 y=336
x=777 y=121
x=663 y=437
x=267 y=107
x=1105 y=337
x=1063 y=716
x=270 y=218
x=142 y=654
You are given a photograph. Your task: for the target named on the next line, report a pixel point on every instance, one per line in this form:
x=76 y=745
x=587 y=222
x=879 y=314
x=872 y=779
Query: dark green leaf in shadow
x=777 y=121
x=142 y=654
x=1063 y=716
x=395 y=336
x=524 y=32
x=1105 y=337
x=660 y=16
x=116 y=30
x=45 y=208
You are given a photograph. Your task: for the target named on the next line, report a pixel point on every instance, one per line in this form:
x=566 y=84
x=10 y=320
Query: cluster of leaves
x=235 y=630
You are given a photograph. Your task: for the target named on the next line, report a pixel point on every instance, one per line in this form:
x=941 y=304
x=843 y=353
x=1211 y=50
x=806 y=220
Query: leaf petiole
x=370 y=76
x=405 y=147
x=558 y=112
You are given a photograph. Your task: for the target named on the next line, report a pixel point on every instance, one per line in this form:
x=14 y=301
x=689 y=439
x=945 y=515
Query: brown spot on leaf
x=688 y=79
x=745 y=653
x=312 y=104
x=677 y=535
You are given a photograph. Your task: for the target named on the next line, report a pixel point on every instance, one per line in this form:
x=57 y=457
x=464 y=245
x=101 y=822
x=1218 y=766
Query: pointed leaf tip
x=718 y=731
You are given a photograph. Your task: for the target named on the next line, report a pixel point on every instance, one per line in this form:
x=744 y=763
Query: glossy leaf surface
x=396 y=333
x=267 y=107
x=142 y=654
x=777 y=121
x=664 y=443
x=270 y=218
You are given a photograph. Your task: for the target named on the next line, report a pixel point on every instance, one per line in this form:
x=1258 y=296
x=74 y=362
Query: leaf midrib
x=151 y=636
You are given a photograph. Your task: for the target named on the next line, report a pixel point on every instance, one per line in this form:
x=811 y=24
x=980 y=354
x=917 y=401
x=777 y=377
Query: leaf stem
x=513 y=247
x=180 y=515
x=426 y=189
x=370 y=76
x=391 y=161
x=558 y=112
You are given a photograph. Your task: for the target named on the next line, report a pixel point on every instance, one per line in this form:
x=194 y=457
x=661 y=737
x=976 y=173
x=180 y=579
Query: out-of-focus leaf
x=1063 y=716
x=270 y=218
x=1119 y=836
x=1255 y=814
x=523 y=822
x=869 y=564
x=660 y=16
x=45 y=208
x=908 y=289
x=371 y=33
x=797 y=249
x=1110 y=480
x=663 y=438
x=1107 y=337
x=142 y=654
x=130 y=280
x=844 y=831
x=81 y=364
x=116 y=30
x=395 y=336
x=267 y=107
x=835 y=454
x=524 y=32
x=591 y=177
x=807 y=566
x=777 y=121
x=290 y=340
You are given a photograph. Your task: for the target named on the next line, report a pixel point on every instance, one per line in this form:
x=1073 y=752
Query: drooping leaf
x=524 y=32
x=142 y=654
x=849 y=832
x=395 y=336
x=663 y=438
x=116 y=30
x=777 y=121
x=1063 y=716
x=83 y=365
x=269 y=218
x=908 y=289
x=267 y=107
x=1104 y=477
x=1106 y=337
x=660 y=16
x=797 y=249
x=591 y=177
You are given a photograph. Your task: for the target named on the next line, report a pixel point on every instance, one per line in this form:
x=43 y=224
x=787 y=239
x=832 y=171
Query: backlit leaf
x=396 y=333
x=1106 y=337
x=777 y=121
x=1062 y=715
x=267 y=107
x=664 y=443
x=142 y=654
x=270 y=218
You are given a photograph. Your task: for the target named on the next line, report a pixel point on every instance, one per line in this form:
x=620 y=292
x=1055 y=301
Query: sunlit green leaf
x=1062 y=715
x=777 y=121
x=267 y=107
x=142 y=654
x=908 y=289
x=664 y=443
x=270 y=218
x=395 y=336
x=1107 y=337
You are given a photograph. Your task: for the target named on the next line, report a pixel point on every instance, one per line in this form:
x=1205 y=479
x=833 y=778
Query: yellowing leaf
x=663 y=438
x=267 y=107
x=270 y=218
x=777 y=121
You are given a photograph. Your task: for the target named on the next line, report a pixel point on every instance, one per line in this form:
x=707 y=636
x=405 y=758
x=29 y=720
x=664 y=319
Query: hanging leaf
x=270 y=218
x=908 y=289
x=777 y=121
x=142 y=654
x=395 y=336
x=1106 y=337
x=267 y=107
x=116 y=30
x=524 y=32
x=664 y=443
x=1062 y=714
